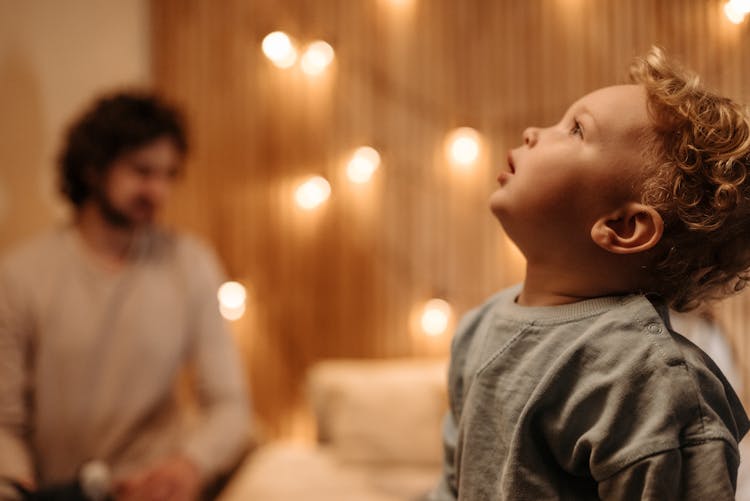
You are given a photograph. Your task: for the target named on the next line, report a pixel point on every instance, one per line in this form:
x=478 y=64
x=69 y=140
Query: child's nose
x=530 y=136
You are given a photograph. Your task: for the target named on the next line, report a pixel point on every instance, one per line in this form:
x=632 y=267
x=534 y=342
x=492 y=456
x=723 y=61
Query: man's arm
x=15 y=456
x=223 y=431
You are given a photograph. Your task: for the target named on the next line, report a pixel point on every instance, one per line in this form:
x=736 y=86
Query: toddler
x=573 y=385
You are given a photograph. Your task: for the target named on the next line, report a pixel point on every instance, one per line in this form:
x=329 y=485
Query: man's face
x=138 y=183
x=564 y=177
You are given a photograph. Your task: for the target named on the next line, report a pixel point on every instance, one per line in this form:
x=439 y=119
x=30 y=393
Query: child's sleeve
x=703 y=471
x=446 y=490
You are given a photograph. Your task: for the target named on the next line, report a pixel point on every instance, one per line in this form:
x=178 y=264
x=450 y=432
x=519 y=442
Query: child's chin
x=498 y=203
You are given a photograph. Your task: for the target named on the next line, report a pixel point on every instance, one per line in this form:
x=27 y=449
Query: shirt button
x=654 y=328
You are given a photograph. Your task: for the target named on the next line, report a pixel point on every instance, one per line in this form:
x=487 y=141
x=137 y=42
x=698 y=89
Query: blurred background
x=404 y=109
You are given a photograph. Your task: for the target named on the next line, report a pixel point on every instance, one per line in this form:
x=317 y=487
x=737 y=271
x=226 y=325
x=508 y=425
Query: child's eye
x=576 y=130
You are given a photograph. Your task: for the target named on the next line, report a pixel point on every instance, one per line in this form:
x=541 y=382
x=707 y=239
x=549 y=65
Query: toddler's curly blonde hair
x=698 y=180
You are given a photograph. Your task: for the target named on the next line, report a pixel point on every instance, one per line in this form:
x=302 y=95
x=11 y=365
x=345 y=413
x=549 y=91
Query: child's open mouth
x=505 y=174
x=510 y=163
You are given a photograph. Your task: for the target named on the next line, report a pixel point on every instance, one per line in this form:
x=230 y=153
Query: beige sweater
x=89 y=359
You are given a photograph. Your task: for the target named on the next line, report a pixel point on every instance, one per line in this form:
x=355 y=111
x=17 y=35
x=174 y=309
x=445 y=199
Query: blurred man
x=99 y=318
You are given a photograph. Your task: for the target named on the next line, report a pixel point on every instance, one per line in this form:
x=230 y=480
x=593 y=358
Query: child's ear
x=632 y=228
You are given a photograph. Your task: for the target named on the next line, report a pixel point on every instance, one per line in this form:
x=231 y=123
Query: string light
x=400 y=6
x=363 y=164
x=312 y=193
x=741 y=5
x=436 y=316
x=463 y=146
x=232 y=297
x=317 y=57
x=278 y=47
x=736 y=10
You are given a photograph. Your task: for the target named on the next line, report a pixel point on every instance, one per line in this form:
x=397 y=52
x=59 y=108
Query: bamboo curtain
x=343 y=281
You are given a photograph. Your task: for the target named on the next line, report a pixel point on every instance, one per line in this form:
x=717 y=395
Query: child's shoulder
x=634 y=339
x=650 y=389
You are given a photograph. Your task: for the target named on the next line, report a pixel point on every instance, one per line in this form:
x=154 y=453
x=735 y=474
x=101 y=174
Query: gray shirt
x=598 y=399
x=90 y=359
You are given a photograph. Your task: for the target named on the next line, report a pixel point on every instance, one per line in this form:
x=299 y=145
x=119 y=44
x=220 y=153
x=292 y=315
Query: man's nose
x=530 y=136
x=159 y=188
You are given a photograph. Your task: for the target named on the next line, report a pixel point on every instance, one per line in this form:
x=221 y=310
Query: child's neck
x=534 y=296
x=553 y=285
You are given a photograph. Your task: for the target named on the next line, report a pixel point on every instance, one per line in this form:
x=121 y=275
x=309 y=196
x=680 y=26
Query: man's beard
x=119 y=218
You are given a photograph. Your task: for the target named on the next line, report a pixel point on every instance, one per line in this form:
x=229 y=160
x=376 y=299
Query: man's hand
x=174 y=479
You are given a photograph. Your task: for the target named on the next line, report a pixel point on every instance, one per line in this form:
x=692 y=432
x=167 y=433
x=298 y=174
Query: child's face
x=564 y=177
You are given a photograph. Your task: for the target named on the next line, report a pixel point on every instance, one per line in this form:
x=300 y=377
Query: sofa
x=378 y=437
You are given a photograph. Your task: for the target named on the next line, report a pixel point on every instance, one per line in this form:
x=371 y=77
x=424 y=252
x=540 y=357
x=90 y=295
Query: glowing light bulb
x=435 y=317
x=232 y=314
x=312 y=193
x=463 y=146
x=741 y=5
x=316 y=58
x=278 y=47
x=232 y=294
x=734 y=12
x=232 y=297
x=363 y=164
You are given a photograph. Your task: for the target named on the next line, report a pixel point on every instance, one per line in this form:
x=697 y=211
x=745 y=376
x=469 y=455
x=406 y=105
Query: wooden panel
x=342 y=281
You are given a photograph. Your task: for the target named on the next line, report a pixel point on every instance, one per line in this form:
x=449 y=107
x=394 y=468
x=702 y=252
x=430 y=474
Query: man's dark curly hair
x=115 y=124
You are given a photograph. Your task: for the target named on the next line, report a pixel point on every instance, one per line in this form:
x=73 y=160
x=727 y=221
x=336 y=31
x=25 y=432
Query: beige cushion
x=381 y=411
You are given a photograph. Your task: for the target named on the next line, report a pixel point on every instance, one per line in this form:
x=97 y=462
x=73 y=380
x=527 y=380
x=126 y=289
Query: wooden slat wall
x=342 y=281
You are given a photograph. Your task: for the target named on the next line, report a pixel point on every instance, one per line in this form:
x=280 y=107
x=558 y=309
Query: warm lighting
x=741 y=5
x=232 y=297
x=312 y=193
x=362 y=165
x=316 y=58
x=278 y=47
x=463 y=146
x=232 y=314
x=736 y=10
x=400 y=4
x=436 y=316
